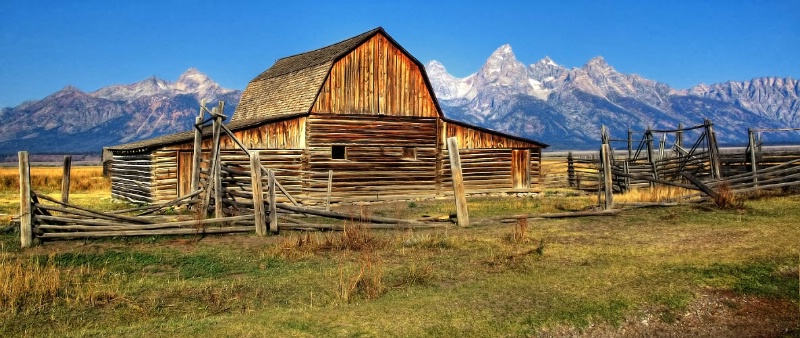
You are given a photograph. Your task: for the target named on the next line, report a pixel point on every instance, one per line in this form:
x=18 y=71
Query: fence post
x=630 y=143
x=605 y=156
x=679 y=135
x=65 y=179
x=751 y=147
x=197 y=150
x=570 y=170
x=458 y=182
x=661 y=145
x=627 y=179
x=273 y=207
x=25 y=218
x=651 y=156
x=713 y=150
x=258 y=193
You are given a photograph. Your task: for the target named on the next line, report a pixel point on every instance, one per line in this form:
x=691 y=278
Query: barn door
x=184 y=172
x=520 y=168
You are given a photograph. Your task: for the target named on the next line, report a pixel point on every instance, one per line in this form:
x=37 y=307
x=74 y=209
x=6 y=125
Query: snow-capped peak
x=435 y=67
x=597 y=62
x=504 y=52
x=193 y=79
x=548 y=61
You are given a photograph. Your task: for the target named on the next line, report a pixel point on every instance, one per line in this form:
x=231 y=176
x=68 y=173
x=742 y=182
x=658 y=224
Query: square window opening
x=338 y=152
x=410 y=153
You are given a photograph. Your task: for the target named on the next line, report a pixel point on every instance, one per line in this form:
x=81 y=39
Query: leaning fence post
x=65 y=179
x=273 y=206
x=605 y=156
x=458 y=182
x=197 y=149
x=25 y=221
x=258 y=193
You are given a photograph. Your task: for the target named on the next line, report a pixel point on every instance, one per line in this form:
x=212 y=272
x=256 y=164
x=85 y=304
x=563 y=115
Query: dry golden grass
x=84 y=179
x=658 y=194
x=30 y=284
x=365 y=279
x=726 y=198
x=519 y=235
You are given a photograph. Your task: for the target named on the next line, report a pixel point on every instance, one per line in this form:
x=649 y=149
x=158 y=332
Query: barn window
x=338 y=152
x=409 y=153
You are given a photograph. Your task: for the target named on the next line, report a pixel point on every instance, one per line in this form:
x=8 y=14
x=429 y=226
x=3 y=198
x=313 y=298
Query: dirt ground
x=714 y=314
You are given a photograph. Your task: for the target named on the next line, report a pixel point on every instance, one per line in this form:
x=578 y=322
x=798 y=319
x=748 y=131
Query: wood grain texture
x=377 y=77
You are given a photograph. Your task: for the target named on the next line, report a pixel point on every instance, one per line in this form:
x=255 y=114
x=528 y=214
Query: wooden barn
x=359 y=115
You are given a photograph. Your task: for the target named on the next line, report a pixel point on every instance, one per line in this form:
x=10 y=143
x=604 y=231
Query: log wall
x=131 y=177
x=377 y=150
x=165 y=175
x=377 y=77
x=490 y=170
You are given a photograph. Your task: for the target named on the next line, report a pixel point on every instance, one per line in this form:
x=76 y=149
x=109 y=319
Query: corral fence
x=667 y=156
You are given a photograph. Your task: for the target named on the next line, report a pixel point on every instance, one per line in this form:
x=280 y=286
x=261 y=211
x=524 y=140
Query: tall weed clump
x=726 y=198
x=364 y=279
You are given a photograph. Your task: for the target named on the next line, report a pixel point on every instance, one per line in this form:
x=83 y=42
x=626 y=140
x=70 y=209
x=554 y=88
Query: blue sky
x=46 y=45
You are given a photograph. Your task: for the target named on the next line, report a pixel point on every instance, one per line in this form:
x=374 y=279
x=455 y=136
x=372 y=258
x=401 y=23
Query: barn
x=359 y=115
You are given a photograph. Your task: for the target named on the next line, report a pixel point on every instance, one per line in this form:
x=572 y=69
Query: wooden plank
x=25 y=220
x=258 y=195
x=156 y=232
x=100 y=225
x=458 y=183
x=700 y=185
x=345 y=216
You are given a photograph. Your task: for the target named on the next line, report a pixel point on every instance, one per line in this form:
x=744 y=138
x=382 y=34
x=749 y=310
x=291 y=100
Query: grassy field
x=681 y=271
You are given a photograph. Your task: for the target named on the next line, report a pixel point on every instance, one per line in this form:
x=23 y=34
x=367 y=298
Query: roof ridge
x=367 y=33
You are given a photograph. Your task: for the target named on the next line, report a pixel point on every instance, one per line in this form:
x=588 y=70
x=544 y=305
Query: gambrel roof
x=293 y=82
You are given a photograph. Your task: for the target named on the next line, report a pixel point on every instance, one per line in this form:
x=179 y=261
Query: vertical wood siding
x=520 y=169
x=376 y=78
x=473 y=138
x=286 y=134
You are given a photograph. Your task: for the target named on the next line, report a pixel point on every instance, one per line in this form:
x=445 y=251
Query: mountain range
x=566 y=107
x=70 y=121
x=544 y=101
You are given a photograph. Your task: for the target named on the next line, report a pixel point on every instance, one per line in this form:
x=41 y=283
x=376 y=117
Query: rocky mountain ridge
x=544 y=101
x=72 y=121
x=566 y=107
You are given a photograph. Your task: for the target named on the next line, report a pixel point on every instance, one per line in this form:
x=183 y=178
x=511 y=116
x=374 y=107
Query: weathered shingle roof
x=292 y=83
